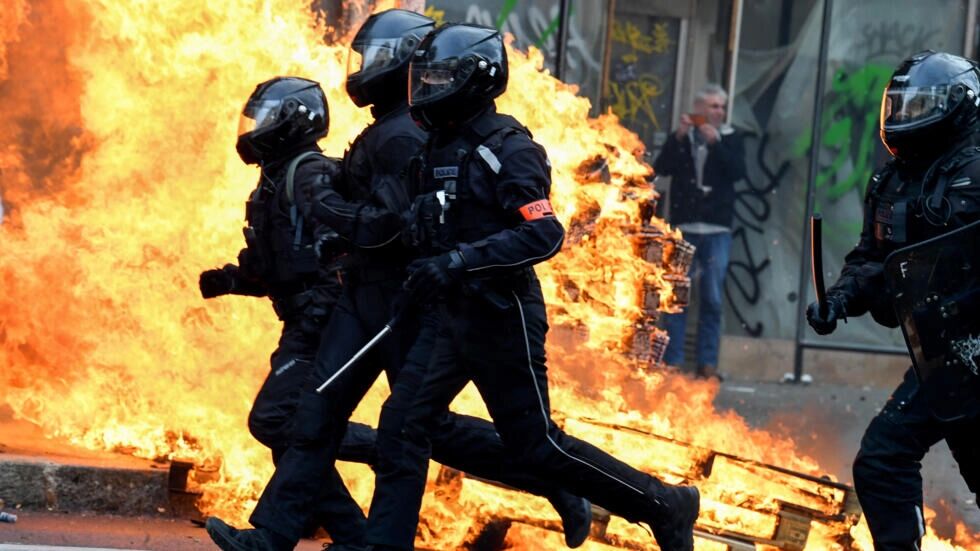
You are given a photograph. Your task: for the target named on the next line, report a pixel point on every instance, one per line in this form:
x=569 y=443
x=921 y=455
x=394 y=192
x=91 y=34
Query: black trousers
x=271 y=419
x=887 y=469
x=501 y=349
x=465 y=443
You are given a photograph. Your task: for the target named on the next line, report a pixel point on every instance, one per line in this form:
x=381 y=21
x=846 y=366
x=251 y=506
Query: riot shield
x=935 y=288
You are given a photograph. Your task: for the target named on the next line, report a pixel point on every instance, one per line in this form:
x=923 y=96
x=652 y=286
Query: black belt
x=289 y=306
x=372 y=274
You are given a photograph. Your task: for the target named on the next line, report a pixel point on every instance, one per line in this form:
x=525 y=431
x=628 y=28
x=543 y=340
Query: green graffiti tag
x=849 y=127
x=507 y=9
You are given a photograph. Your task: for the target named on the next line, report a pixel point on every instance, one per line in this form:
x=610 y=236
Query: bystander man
x=705 y=158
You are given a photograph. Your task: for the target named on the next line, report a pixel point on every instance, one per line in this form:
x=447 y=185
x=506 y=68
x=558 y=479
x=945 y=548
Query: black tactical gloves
x=214 y=283
x=826 y=323
x=428 y=276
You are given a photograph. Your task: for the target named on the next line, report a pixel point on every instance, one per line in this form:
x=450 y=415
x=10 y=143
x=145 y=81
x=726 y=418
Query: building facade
x=805 y=80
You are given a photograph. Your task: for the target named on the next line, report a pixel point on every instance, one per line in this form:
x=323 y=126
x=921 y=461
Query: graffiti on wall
x=634 y=87
x=753 y=208
x=534 y=24
x=849 y=130
x=763 y=279
x=640 y=88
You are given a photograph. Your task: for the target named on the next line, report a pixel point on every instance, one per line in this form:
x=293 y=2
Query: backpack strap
x=946 y=170
x=291 y=174
x=295 y=218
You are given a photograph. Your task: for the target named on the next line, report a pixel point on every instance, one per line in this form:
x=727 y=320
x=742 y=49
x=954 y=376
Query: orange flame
x=121 y=184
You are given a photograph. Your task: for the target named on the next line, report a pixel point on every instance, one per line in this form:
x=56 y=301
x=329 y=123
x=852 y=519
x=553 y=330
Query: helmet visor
x=431 y=80
x=258 y=114
x=373 y=55
x=912 y=106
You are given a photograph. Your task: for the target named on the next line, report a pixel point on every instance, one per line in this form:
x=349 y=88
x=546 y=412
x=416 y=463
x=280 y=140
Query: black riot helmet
x=280 y=116
x=377 y=65
x=456 y=72
x=929 y=104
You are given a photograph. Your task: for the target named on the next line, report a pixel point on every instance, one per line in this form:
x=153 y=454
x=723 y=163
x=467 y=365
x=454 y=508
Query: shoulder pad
x=879 y=178
x=969 y=171
x=486 y=126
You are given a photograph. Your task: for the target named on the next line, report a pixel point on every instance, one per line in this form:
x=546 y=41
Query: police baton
x=816 y=261
x=388 y=328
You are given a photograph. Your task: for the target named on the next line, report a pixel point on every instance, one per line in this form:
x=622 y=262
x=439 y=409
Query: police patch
x=445 y=172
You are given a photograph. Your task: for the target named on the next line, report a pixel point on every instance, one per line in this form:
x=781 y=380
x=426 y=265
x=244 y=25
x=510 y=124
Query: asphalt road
x=827 y=422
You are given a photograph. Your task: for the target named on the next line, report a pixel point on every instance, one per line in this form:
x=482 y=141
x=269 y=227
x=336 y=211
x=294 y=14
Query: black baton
x=388 y=328
x=816 y=261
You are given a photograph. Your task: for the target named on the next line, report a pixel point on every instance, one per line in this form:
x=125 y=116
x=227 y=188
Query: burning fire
x=121 y=184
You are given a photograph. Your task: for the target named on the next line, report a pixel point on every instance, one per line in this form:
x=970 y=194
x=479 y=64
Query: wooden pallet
x=771 y=506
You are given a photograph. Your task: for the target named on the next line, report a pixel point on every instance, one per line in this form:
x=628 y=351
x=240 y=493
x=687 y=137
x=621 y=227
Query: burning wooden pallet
x=744 y=503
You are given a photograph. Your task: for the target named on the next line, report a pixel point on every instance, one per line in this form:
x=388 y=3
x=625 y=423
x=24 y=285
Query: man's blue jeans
x=708 y=272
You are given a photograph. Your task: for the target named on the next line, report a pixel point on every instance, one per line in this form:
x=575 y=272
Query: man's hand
x=684 y=126
x=428 y=276
x=825 y=325
x=214 y=283
x=709 y=133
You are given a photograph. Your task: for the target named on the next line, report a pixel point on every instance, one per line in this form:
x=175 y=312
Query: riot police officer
x=366 y=207
x=294 y=263
x=919 y=206
x=484 y=220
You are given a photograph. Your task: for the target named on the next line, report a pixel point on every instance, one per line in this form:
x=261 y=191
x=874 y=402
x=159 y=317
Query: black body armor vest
x=461 y=172
x=282 y=250
x=910 y=208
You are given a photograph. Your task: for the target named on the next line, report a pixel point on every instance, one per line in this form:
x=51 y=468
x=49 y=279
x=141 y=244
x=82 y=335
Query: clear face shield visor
x=258 y=115
x=374 y=55
x=431 y=80
x=913 y=105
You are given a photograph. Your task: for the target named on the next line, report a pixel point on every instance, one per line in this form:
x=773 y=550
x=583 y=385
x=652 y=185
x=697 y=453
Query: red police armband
x=537 y=209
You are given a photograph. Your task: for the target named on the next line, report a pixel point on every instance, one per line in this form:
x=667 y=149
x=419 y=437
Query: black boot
x=229 y=538
x=675 y=512
x=576 y=517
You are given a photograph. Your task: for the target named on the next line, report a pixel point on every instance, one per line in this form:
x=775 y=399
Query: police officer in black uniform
x=930 y=188
x=367 y=208
x=485 y=220
x=296 y=265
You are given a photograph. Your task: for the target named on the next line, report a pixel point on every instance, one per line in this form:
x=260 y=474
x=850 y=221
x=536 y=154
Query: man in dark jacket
x=915 y=265
x=705 y=158
x=486 y=221
x=297 y=265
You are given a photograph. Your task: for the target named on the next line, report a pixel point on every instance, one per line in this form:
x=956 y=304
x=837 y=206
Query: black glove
x=428 y=276
x=825 y=325
x=214 y=283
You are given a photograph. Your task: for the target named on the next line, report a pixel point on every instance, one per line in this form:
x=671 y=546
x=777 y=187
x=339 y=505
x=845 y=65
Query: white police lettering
x=445 y=172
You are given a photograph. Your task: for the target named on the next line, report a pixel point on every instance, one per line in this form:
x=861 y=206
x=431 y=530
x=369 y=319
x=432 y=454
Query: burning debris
x=763 y=504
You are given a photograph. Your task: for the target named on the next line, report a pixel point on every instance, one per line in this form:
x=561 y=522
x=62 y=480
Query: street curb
x=31 y=482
